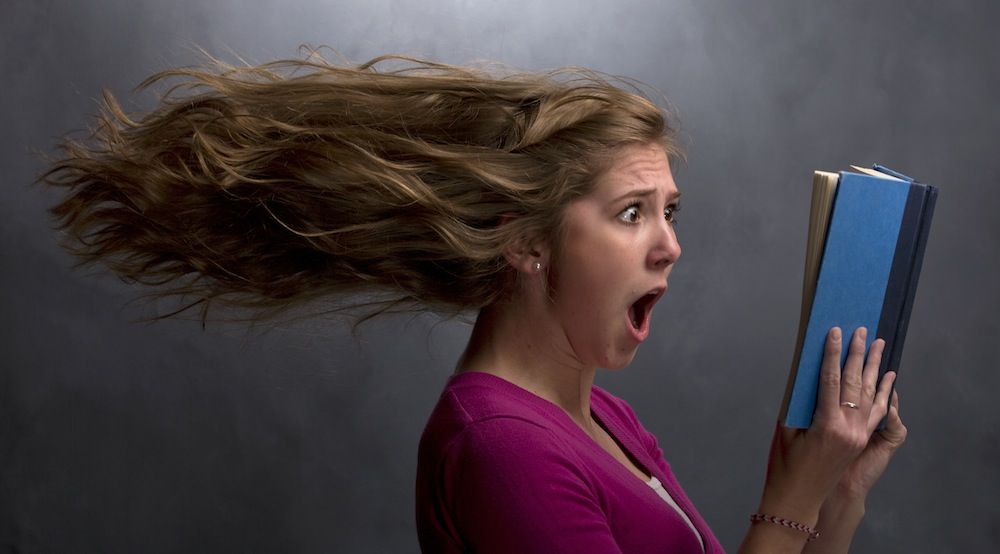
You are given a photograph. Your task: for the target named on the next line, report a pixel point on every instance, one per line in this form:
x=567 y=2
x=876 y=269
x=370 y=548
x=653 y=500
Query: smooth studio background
x=125 y=437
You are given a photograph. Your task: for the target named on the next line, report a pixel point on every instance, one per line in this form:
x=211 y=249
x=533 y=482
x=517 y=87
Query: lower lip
x=641 y=333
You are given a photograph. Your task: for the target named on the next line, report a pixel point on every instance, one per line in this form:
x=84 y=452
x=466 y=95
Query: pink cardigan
x=500 y=469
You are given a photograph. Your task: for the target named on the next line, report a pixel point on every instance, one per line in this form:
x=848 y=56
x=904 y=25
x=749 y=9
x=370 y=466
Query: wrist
x=811 y=532
x=838 y=520
x=845 y=496
x=803 y=511
x=842 y=506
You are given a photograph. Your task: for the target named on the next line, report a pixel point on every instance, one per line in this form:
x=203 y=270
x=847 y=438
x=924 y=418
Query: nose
x=665 y=249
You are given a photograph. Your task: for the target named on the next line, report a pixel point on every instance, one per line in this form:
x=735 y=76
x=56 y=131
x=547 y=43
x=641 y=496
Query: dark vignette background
x=123 y=437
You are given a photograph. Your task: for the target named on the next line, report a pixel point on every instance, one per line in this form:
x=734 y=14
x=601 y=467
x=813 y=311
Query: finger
x=869 y=379
x=881 y=402
x=850 y=381
x=828 y=398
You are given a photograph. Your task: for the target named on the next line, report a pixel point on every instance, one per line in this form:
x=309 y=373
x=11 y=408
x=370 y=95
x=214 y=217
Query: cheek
x=579 y=282
x=587 y=297
x=590 y=278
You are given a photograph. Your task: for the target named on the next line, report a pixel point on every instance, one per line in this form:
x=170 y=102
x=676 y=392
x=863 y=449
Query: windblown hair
x=267 y=187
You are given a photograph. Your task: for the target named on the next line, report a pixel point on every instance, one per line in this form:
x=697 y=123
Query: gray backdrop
x=125 y=437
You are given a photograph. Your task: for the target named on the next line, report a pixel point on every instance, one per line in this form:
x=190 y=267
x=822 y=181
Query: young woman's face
x=617 y=249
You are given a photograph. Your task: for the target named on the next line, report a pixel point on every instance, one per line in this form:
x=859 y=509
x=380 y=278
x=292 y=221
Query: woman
x=545 y=202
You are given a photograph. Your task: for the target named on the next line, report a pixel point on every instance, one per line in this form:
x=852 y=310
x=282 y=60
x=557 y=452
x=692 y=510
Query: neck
x=520 y=346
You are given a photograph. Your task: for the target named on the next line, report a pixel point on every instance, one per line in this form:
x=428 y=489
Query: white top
x=658 y=487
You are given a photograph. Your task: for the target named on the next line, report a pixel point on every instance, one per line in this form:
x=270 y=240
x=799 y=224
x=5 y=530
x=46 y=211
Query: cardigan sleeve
x=515 y=488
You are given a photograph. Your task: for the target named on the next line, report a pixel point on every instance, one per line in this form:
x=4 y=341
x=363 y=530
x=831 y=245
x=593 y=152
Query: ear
x=527 y=255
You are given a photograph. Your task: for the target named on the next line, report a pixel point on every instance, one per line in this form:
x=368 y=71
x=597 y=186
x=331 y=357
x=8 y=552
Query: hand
x=865 y=470
x=843 y=509
x=807 y=464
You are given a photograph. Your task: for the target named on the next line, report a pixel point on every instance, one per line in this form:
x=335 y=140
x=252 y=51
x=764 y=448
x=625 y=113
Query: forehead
x=637 y=167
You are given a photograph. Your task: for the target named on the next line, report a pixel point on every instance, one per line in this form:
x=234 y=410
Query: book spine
x=898 y=286
x=896 y=353
x=891 y=362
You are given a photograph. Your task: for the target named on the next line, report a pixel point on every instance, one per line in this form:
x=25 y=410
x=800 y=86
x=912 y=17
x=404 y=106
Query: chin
x=618 y=362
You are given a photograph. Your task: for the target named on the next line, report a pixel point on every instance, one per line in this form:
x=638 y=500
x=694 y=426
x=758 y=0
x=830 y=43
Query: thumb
x=894 y=432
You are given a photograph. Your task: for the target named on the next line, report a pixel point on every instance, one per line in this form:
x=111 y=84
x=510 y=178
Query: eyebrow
x=645 y=192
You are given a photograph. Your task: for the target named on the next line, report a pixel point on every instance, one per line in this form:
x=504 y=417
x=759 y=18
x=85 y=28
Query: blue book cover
x=867 y=277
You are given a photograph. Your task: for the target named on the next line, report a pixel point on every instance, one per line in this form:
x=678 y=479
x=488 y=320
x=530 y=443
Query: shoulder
x=469 y=399
x=485 y=442
x=492 y=471
x=485 y=416
x=514 y=447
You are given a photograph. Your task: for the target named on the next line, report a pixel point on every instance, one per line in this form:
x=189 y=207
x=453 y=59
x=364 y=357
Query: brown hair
x=267 y=187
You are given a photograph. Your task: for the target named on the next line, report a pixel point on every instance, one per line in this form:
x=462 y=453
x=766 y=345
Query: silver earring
x=538 y=266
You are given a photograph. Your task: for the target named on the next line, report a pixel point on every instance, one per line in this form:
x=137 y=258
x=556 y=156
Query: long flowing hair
x=268 y=187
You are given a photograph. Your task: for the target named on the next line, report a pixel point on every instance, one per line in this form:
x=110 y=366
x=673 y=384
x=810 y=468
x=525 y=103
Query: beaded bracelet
x=813 y=534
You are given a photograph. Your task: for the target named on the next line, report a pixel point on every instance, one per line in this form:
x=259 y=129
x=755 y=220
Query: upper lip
x=656 y=291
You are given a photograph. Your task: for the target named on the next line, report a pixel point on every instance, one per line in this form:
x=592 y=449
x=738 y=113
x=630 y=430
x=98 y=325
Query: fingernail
x=863 y=333
x=835 y=333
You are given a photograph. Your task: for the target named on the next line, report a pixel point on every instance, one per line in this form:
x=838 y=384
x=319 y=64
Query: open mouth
x=638 y=312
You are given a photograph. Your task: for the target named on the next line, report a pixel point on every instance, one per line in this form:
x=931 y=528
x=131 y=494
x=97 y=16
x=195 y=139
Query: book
x=868 y=230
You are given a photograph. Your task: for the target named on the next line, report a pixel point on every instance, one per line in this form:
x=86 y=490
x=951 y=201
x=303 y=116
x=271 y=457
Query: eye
x=630 y=215
x=670 y=212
